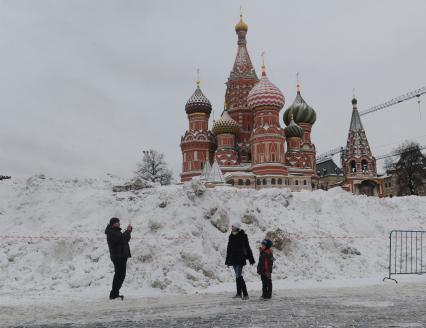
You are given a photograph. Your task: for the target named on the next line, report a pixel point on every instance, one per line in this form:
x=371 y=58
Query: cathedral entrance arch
x=369 y=188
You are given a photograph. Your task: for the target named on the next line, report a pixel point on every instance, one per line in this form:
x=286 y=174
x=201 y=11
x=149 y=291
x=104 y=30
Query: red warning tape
x=291 y=237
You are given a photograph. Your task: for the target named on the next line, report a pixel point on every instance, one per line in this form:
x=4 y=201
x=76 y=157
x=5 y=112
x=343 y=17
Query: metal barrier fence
x=406 y=251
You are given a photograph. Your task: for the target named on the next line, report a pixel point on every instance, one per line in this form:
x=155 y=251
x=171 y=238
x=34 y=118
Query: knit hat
x=113 y=220
x=267 y=243
x=236 y=225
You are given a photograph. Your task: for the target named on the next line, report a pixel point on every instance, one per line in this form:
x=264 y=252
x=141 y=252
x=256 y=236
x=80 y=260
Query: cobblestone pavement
x=387 y=305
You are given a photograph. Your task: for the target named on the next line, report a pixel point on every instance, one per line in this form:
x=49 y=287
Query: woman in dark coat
x=237 y=254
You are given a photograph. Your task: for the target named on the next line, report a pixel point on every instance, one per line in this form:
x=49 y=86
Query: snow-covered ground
x=180 y=236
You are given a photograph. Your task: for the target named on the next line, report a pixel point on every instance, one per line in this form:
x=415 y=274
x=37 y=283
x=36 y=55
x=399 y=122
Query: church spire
x=356 y=123
x=243 y=68
x=357 y=144
x=240 y=81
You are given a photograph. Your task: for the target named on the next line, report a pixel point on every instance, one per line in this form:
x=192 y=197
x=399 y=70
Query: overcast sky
x=87 y=85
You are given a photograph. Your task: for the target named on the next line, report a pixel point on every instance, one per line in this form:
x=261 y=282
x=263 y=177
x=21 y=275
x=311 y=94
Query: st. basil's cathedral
x=246 y=147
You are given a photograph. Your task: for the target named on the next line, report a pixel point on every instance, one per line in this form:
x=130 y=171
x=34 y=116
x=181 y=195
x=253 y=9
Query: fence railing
x=407 y=249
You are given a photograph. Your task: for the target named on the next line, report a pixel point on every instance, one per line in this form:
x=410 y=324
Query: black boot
x=244 y=289
x=113 y=296
x=238 y=283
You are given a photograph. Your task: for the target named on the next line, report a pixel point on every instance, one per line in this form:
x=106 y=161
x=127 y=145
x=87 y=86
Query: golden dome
x=241 y=26
x=225 y=125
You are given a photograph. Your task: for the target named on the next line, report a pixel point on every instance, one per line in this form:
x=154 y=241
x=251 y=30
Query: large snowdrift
x=181 y=232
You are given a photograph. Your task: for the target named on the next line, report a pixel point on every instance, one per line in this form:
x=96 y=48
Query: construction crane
x=394 y=101
x=395 y=153
x=409 y=95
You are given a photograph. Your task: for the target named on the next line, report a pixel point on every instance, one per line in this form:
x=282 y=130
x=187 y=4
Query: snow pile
x=181 y=232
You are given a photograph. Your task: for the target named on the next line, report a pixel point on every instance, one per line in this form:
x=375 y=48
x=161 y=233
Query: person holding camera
x=119 y=250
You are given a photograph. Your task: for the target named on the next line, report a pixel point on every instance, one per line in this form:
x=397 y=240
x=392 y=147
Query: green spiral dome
x=293 y=130
x=302 y=112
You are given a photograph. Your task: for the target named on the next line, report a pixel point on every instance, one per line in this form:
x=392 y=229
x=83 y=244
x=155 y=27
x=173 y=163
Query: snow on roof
x=215 y=174
x=239 y=173
x=206 y=171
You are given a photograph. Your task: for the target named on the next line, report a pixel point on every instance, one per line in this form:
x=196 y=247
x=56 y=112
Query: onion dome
x=293 y=130
x=302 y=112
x=241 y=26
x=225 y=124
x=198 y=102
x=264 y=93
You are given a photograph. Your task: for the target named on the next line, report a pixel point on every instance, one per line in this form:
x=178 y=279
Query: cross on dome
x=198 y=77
x=298 y=82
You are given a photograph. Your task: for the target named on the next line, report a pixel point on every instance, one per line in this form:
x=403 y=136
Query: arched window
x=297 y=182
x=264 y=181
x=364 y=165
x=231 y=182
x=353 y=166
x=273 y=181
x=247 y=182
x=304 y=182
x=280 y=181
x=258 y=182
x=240 y=182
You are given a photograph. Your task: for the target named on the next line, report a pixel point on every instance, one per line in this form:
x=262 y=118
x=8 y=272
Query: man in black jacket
x=119 y=250
x=237 y=253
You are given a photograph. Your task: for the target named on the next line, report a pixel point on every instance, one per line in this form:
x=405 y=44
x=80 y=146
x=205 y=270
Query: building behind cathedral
x=248 y=148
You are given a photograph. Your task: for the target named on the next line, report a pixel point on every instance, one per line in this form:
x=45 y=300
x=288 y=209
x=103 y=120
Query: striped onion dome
x=198 y=103
x=225 y=125
x=302 y=112
x=264 y=93
x=293 y=130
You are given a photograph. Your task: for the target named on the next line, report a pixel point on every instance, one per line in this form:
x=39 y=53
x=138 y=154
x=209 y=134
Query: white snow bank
x=178 y=243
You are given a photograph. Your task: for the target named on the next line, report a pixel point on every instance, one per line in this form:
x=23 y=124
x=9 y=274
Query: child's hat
x=236 y=225
x=267 y=243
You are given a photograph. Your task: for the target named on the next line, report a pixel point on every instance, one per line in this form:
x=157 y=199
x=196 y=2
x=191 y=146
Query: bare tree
x=154 y=168
x=410 y=168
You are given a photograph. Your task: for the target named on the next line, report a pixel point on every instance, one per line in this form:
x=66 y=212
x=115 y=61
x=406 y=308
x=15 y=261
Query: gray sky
x=86 y=85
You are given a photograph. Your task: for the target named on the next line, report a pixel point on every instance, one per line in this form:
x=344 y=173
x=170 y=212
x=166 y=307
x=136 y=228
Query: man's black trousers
x=119 y=275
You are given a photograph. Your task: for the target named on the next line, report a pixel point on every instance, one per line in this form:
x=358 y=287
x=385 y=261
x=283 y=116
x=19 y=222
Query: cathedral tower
x=198 y=144
x=267 y=138
x=226 y=130
x=359 y=164
x=294 y=134
x=240 y=81
x=304 y=116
